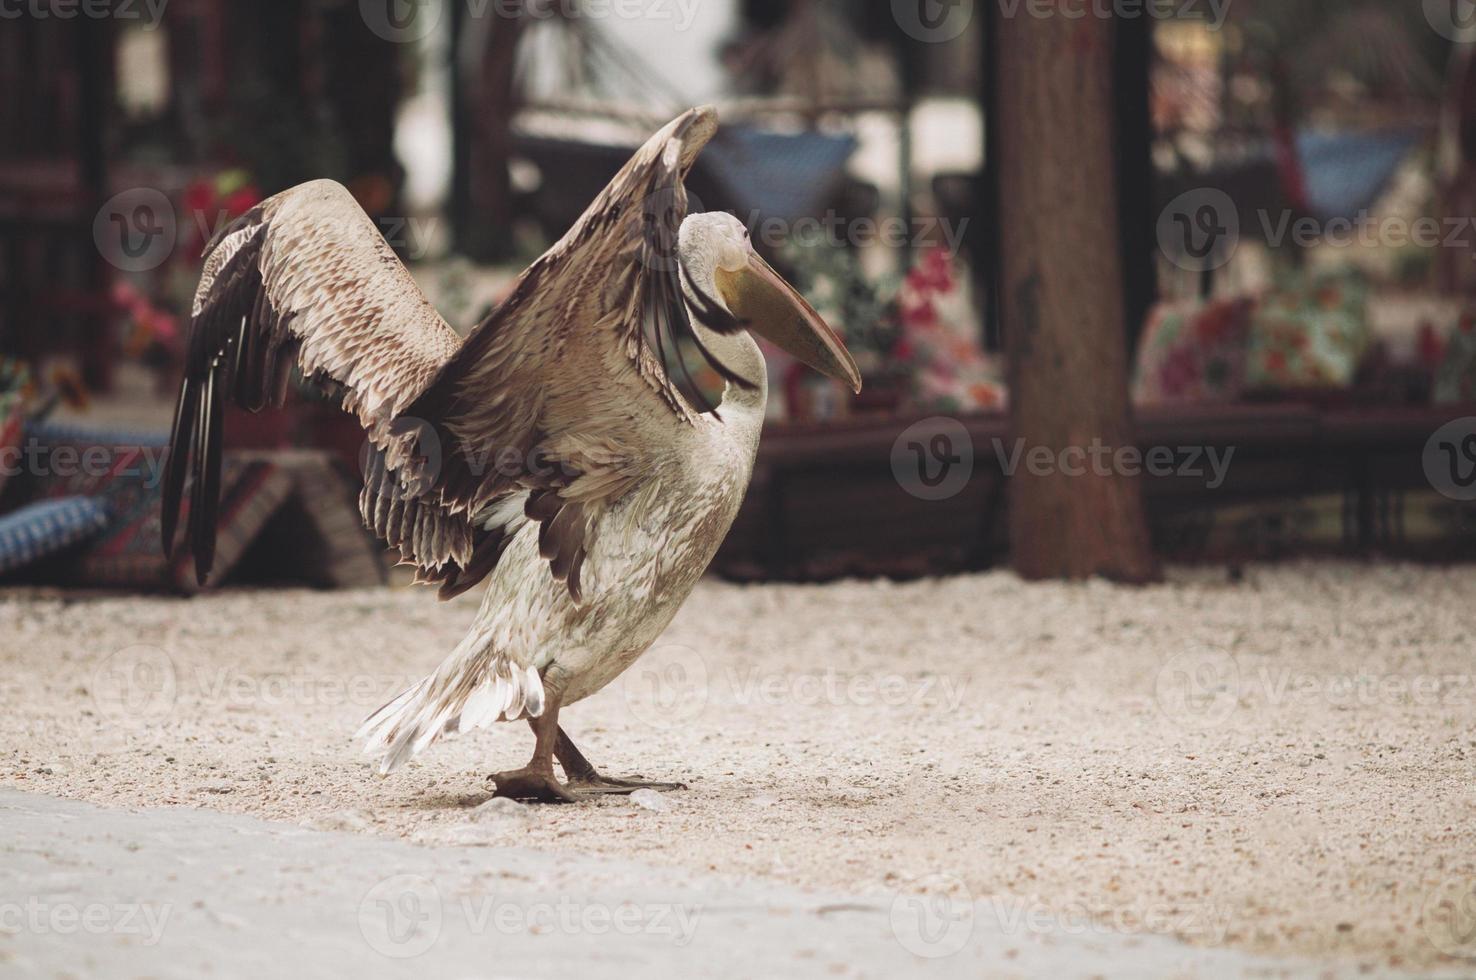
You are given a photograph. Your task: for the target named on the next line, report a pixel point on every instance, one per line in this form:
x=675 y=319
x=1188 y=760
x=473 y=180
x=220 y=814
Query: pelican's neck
x=737 y=351
x=742 y=356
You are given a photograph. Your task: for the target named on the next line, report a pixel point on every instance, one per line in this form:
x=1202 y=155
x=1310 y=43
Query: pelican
x=551 y=454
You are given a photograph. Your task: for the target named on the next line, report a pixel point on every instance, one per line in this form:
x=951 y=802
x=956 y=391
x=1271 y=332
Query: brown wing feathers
x=236 y=350
x=373 y=337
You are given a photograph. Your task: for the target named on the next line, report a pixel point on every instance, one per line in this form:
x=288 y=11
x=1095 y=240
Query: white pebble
x=649 y=799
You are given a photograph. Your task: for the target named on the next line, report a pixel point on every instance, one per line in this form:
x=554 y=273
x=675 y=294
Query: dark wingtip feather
x=205 y=494
x=576 y=587
x=233 y=334
x=450 y=588
x=181 y=436
x=485 y=555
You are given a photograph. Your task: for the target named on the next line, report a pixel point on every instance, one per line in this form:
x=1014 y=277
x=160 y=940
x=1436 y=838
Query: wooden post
x=1076 y=506
x=95 y=69
x=487 y=112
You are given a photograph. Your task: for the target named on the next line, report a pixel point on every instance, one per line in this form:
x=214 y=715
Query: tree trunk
x=493 y=100
x=1076 y=510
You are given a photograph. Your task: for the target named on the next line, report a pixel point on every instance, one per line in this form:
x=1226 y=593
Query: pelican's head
x=753 y=292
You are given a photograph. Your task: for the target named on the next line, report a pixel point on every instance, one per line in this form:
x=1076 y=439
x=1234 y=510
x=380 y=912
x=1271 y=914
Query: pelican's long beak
x=777 y=312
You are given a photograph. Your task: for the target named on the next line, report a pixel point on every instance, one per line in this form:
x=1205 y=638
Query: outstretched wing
x=567 y=380
x=306 y=280
x=553 y=409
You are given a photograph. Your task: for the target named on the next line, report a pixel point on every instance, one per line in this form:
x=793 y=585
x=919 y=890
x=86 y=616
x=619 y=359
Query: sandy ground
x=1282 y=765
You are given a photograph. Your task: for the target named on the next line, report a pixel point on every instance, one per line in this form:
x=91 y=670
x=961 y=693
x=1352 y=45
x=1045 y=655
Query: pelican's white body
x=649 y=552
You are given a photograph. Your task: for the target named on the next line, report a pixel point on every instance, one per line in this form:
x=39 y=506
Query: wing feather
x=305 y=280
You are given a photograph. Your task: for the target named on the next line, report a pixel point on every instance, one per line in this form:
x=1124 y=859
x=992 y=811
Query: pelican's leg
x=583 y=777
x=536 y=780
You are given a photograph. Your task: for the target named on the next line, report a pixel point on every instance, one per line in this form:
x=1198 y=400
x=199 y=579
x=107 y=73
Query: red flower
x=199 y=196
x=242 y=200
x=1431 y=347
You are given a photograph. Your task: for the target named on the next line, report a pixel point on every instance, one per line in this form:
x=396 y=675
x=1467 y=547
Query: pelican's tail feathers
x=465 y=694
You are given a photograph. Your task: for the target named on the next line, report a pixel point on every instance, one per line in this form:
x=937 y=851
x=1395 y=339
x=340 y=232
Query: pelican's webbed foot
x=610 y=786
x=536 y=780
x=532 y=783
x=585 y=779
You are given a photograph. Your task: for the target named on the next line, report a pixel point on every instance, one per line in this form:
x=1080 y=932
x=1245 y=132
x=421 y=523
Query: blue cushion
x=44 y=528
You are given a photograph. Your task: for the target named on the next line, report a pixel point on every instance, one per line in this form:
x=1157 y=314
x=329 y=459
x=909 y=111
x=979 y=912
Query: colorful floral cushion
x=1193 y=352
x=1309 y=333
x=940 y=341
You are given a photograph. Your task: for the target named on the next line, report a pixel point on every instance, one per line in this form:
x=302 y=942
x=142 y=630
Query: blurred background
x=1233 y=236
